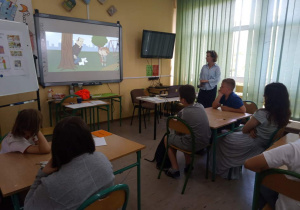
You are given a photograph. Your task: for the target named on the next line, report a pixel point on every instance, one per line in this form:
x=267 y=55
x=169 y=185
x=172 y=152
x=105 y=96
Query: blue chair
x=112 y=198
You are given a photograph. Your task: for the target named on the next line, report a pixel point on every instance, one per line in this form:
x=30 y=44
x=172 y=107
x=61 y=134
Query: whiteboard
x=17 y=69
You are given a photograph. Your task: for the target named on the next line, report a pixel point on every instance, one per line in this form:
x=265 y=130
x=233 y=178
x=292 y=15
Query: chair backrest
x=251 y=107
x=1 y=139
x=136 y=93
x=69 y=98
x=276 y=180
x=112 y=198
x=276 y=136
x=179 y=125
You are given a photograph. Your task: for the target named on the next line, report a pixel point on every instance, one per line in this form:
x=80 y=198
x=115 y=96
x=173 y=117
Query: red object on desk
x=84 y=94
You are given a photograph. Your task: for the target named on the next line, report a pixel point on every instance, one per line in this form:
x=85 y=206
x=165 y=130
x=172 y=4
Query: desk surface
x=18 y=170
x=157 y=100
x=85 y=104
x=293 y=127
x=288 y=138
x=218 y=118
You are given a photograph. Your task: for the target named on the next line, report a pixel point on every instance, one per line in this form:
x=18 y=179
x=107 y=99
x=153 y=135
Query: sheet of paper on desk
x=81 y=105
x=98 y=102
x=99 y=141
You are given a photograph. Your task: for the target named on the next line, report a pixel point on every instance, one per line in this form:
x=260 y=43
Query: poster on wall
x=20 y=11
x=12 y=60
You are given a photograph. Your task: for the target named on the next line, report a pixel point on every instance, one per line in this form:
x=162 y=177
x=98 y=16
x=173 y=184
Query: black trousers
x=207 y=97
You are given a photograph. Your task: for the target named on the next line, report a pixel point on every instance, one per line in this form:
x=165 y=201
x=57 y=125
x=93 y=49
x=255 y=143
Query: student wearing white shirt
x=288 y=155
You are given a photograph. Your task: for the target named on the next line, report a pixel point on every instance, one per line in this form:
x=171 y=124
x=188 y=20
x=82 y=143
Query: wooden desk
x=155 y=101
x=116 y=98
x=91 y=105
x=18 y=170
x=293 y=127
x=218 y=119
x=288 y=138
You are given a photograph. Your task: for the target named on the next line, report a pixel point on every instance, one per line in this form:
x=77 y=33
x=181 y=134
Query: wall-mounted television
x=73 y=50
x=157 y=44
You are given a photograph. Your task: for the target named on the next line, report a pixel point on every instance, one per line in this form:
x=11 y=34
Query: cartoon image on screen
x=79 y=52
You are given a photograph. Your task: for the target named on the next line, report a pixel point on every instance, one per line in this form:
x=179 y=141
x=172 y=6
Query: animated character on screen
x=8 y=9
x=103 y=52
x=77 y=49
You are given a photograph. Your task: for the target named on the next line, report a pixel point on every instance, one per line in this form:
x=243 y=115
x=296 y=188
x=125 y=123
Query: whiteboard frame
x=79 y=21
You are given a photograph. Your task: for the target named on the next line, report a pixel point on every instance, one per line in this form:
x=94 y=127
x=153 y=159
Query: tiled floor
x=165 y=193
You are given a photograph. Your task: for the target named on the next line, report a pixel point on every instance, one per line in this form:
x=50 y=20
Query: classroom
x=254 y=42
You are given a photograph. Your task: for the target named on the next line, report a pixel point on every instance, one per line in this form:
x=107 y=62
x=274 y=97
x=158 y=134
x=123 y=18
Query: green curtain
x=273 y=46
x=273 y=50
x=202 y=25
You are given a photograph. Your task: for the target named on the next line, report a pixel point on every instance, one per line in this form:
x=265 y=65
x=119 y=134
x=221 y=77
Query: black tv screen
x=157 y=44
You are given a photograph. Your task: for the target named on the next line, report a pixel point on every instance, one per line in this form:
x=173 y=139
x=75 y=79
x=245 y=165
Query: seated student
x=233 y=150
x=288 y=155
x=228 y=99
x=195 y=116
x=75 y=171
x=26 y=136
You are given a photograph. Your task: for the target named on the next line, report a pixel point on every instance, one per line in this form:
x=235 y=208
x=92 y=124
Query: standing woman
x=209 y=78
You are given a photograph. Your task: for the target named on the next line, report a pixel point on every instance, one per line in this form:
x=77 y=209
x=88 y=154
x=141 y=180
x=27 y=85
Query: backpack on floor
x=159 y=155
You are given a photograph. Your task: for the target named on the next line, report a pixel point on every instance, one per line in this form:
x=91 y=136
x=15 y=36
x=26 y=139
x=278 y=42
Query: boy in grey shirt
x=195 y=116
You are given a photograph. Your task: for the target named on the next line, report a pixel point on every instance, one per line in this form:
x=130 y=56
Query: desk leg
x=94 y=126
x=50 y=113
x=120 y=101
x=15 y=201
x=138 y=154
x=107 y=107
x=140 y=105
x=214 y=155
x=98 y=121
x=155 y=114
x=111 y=110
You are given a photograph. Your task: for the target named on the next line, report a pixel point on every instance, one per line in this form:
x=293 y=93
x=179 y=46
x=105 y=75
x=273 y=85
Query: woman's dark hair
x=213 y=54
x=27 y=120
x=71 y=138
x=277 y=103
x=188 y=93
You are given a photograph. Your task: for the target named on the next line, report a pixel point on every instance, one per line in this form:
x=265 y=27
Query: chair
x=1 y=139
x=251 y=107
x=180 y=126
x=62 y=112
x=112 y=198
x=175 y=107
x=135 y=102
x=276 y=135
x=276 y=180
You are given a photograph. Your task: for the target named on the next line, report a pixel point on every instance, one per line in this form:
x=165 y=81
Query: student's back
x=75 y=171
x=69 y=187
x=195 y=116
